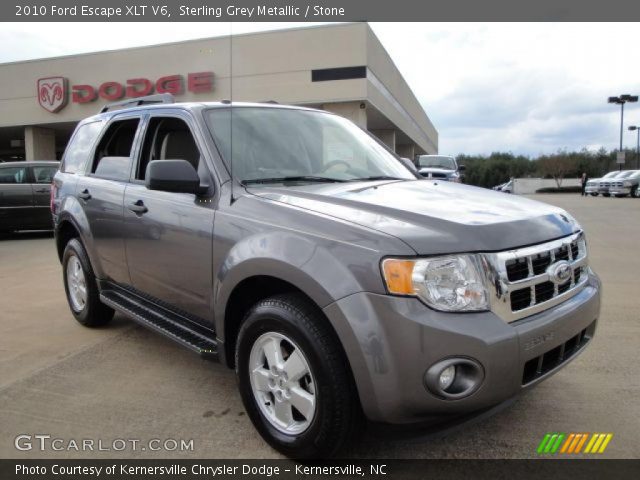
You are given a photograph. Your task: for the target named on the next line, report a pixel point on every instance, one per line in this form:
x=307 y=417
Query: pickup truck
x=338 y=284
x=440 y=167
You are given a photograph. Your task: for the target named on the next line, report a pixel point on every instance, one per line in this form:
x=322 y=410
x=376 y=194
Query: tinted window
x=168 y=138
x=44 y=174
x=435 y=161
x=117 y=141
x=13 y=175
x=78 y=149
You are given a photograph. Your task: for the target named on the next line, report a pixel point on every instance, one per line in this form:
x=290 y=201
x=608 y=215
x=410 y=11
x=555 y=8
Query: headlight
x=626 y=184
x=451 y=284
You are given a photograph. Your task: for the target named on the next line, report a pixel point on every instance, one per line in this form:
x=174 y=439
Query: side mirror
x=461 y=168
x=177 y=176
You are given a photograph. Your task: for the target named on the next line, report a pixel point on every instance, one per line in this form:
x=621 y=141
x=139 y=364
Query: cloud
x=525 y=88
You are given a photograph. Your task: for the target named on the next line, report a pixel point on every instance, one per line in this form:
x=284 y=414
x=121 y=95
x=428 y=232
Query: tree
x=558 y=166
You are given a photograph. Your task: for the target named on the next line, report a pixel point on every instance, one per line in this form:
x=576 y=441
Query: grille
x=434 y=175
x=538 y=366
x=533 y=266
x=522 y=283
x=617 y=184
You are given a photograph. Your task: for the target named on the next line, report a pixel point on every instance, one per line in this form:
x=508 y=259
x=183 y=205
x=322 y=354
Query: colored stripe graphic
x=572 y=443
x=543 y=443
x=582 y=441
x=606 y=442
x=556 y=445
x=567 y=442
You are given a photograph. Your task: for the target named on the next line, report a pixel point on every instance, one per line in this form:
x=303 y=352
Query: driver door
x=169 y=236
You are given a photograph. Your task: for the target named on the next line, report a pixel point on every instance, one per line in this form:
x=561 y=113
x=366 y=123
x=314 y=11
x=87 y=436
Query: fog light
x=454 y=378
x=447 y=376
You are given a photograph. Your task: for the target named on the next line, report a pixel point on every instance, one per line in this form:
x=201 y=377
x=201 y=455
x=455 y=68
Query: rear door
x=169 y=245
x=41 y=178
x=101 y=196
x=16 y=199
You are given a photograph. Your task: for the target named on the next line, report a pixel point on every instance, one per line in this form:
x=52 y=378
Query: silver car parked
x=625 y=185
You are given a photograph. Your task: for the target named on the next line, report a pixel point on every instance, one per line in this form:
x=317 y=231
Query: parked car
x=440 y=167
x=622 y=186
x=335 y=286
x=507 y=187
x=593 y=184
x=605 y=183
x=24 y=195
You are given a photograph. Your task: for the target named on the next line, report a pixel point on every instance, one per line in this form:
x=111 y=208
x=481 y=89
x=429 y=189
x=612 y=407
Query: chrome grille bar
x=511 y=308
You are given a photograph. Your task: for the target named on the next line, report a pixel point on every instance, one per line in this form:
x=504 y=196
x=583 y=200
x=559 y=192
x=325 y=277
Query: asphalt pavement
x=123 y=382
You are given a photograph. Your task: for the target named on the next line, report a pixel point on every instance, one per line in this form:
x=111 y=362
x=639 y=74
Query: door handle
x=42 y=190
x=84 y=195
x=138 y=207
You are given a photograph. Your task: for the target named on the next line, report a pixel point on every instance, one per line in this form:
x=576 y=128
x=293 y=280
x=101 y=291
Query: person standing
x=583 y=182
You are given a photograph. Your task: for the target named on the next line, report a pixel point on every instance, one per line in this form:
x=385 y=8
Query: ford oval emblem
x=560 y=272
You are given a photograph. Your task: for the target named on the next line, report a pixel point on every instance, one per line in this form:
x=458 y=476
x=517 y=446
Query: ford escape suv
x=290 y=245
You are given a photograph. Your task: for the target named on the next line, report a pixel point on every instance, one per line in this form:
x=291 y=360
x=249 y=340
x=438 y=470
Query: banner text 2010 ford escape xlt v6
x=293 y=247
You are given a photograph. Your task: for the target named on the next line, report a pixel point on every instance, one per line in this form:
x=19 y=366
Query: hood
x=432 y=217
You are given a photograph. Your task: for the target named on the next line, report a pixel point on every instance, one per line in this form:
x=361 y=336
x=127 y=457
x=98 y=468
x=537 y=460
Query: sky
x=527 y=88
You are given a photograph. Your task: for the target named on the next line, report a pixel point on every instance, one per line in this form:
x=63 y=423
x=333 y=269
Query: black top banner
x=316 y=10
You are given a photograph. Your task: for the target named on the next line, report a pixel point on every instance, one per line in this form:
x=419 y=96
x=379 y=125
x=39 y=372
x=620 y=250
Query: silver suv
x=339 y=285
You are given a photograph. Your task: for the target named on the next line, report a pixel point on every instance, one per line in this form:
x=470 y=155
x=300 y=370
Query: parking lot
x=125 y=382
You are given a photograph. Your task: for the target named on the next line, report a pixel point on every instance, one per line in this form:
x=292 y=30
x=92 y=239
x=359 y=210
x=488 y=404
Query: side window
x=168 y=138
x=117 y=145
x=43 y=174
x=13 y=175
x=78 y=149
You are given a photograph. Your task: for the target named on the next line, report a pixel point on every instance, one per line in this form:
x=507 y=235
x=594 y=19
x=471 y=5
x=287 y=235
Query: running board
x=162 y=322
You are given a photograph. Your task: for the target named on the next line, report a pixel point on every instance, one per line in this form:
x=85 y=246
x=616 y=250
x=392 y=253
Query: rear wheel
x=294 y=379
x=81 y=287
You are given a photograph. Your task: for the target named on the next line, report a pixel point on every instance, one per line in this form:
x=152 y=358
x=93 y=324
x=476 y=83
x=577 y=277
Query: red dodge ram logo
x=52 y=93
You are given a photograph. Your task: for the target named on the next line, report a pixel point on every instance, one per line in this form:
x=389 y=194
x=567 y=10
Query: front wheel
x=294 y=379
x=634 y=192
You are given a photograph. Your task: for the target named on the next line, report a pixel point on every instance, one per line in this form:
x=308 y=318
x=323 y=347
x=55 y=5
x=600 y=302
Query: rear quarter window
x=79 y=148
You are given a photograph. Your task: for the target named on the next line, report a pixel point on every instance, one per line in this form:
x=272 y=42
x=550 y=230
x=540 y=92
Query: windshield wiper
x=376 y=177
x=296 y=178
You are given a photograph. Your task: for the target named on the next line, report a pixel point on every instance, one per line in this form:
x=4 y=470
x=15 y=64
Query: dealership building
x=340 y=68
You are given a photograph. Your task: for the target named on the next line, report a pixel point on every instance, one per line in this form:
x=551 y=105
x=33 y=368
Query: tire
x=78 y=274
x=594 y=194
x=303 y=333
x=634 y=192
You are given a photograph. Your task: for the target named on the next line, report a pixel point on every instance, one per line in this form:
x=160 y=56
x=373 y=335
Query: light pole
x=621 y=100
x=637 y=129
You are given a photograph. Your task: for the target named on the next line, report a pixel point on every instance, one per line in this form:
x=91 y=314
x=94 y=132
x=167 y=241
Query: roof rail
x=135 y=102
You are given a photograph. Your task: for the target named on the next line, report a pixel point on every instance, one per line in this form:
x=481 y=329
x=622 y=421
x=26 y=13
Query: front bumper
x=620 y=191
x=392 y=341
x=591 y=189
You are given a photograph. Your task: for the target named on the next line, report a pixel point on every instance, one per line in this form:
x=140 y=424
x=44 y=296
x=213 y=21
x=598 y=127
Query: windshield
x=625 y=174
x=270 y=145
x=436 y=161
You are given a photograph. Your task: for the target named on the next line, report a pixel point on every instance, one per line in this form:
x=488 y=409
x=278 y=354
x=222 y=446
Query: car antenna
x=233 y=198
